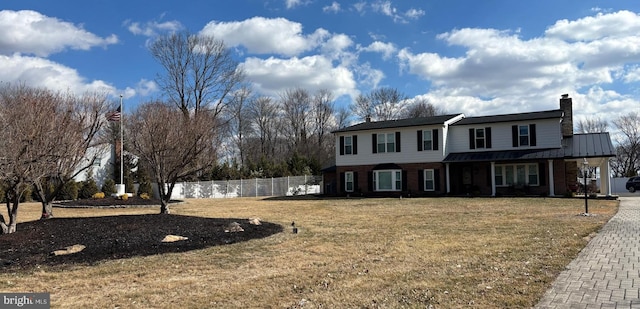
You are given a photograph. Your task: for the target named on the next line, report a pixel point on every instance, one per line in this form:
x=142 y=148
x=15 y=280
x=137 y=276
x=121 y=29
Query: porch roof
x=590 y=145
x=506 y=155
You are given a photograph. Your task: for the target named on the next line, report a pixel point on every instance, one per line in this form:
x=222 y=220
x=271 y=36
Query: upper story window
x=427 y=140
x=386 y=142
x=349 y=145
x=523 y=135
x=480 y=138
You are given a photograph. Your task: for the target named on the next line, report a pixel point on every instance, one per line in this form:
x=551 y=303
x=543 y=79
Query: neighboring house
x=102 y=167
x=526 y=153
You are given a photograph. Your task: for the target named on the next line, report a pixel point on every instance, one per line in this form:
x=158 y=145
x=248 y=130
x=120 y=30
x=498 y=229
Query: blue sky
x=474 y=57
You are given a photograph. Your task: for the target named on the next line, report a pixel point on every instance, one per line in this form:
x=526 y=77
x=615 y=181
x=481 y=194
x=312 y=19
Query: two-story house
x=525 y=153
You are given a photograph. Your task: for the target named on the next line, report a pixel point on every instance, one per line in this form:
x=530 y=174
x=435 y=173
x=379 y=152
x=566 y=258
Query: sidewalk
x=606 y=273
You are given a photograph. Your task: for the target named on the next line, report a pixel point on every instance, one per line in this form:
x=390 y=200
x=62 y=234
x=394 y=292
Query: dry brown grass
x=349 y=253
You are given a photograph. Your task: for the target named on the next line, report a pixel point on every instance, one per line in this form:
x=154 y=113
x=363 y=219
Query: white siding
x=548 y=135
x=408 y=148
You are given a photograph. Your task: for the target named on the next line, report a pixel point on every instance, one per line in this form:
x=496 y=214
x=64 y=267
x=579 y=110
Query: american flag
x=114 y=116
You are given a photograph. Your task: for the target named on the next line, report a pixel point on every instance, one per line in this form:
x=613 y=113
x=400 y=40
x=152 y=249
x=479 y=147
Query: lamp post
x=585 y=166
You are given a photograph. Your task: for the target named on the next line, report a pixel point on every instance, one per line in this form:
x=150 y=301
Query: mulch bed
x=118 y=237
x=110 y=202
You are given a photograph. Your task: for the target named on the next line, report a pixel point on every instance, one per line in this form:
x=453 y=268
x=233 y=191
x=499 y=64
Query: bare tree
x=627 y=160
x=342 y=117
x=45 y=135
x=323 y=109
x=380 y=104
x=173 y=146
x=266 y=122
x=593 y=125
x=296 y=107
x=199 y=75
x=421 y=108
x=78 y=122
x=240 y=123
x=199 y=72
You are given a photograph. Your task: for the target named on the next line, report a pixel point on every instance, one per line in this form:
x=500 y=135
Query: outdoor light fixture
x=585 y=167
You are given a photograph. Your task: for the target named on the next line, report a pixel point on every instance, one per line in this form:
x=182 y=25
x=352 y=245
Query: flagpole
x=121 y=145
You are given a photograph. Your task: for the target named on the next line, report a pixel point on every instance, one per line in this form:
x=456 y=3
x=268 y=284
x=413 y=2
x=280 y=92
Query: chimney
x=567 y=119
x=368 y=118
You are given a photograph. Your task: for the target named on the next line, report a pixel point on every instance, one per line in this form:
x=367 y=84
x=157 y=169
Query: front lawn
x=348 y=253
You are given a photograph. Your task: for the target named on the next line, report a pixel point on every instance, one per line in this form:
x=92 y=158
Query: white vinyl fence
x=283 y=186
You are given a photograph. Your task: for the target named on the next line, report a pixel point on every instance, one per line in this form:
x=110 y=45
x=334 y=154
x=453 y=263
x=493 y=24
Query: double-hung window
x=385 y=142
x=517 y=174
x=427 y=140
x=429 y=180
x=523 y=135
x=348 y=181
x=348 y=145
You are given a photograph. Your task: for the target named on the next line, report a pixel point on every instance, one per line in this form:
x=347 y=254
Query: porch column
x=446 y=165
x=552 y=191
x=605 y=177
x=493 y=178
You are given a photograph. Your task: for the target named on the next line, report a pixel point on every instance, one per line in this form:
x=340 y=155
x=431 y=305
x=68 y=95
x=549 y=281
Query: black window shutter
x=355 y=182
x=472 y=139
x=532 y=134
x=514 y=136
x=541 y=174
x=342 y=184
x=404 y=180
x=397 y=141
x=374 y=142
x=354 y=144
x=370 y=181
x=487 y=137
x=436 y=180
x=421 y=180
x=341 y=145
x=435 y=139
x=489 y=175
x=420 y=140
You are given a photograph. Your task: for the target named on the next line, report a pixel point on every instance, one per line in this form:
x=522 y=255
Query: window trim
x=346 y=181
x=349 y=145
x=513 y=167
x=395 y=181
x=389 y=147
x=520 y=135
x=427 y=179
x=424 y=139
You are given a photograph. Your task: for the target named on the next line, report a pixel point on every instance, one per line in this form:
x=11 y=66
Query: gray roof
x=408 y=122
x=588 y=145
x=511 y=117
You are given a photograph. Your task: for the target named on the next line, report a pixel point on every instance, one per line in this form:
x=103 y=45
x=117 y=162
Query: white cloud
x=30 y=32
x=266 y=35
x=386 y=49
x=273 y=75
x=333 y=8
x=617 y=24
x=39 y=72
x=292 y=3
x=500 y=72
x=152 y=28
x=414 y=13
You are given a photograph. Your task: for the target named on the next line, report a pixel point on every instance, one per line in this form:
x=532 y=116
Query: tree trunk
x=164 y=206
x=47 y=208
